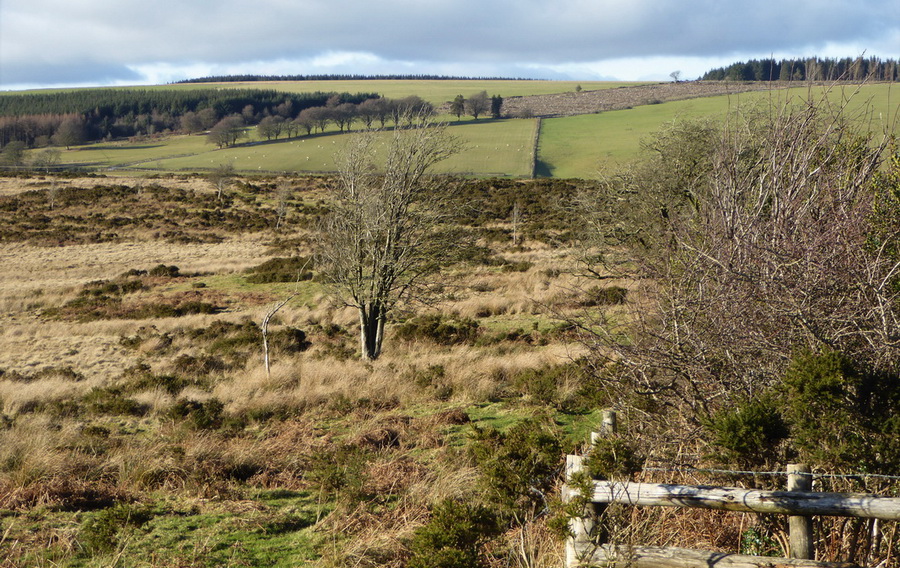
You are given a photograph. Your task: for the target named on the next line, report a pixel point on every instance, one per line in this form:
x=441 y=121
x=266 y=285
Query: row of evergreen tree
x=35 y=118
x=339 y=77
x=808 y=69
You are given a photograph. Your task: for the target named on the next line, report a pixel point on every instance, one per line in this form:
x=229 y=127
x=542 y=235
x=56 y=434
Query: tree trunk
x=371 y=330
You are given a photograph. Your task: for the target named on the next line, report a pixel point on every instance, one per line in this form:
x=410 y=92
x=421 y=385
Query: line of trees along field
x=72 y=117
x=63 y=121
x=808 y=69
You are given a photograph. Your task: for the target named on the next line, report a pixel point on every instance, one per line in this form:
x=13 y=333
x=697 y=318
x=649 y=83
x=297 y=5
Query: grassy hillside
x=576 y=146
x=581 y=146
x=435 y=92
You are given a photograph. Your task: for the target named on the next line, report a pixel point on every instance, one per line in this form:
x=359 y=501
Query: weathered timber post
x=800 y=528
x=609 y=427
x=583 y=527
x=580 y=527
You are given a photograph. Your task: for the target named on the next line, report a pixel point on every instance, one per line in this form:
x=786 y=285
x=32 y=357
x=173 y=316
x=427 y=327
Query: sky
x=56 y=43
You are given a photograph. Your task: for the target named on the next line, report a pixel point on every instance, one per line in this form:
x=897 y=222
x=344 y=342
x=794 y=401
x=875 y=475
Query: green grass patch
x=583 y=146
x=490 y=148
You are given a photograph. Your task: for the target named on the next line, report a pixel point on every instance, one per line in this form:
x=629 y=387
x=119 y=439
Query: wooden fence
x=797 y=501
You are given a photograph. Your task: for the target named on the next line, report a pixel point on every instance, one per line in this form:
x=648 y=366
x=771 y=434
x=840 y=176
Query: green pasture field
x=583 y=146
x=433 y=91
x=490 y=148
x=571 y=147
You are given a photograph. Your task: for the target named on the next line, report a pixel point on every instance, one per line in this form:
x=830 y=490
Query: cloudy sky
x=128 y=42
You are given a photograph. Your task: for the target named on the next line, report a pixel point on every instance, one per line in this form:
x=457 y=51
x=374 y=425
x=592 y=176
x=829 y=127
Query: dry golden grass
x=35 y=278
x=404 y=411
x=13 y=185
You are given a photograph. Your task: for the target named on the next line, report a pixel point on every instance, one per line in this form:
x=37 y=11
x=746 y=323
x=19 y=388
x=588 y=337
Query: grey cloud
x=486 y=32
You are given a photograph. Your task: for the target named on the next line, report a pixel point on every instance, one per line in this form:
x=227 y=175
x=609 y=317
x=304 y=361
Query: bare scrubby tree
x=760 y=238
x=380 y=239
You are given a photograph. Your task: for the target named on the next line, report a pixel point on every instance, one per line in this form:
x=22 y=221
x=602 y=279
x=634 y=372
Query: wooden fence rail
x=798 y=502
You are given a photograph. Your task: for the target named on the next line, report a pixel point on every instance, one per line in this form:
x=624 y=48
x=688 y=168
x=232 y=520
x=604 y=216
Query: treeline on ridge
x=808 y=69
x=95 y=114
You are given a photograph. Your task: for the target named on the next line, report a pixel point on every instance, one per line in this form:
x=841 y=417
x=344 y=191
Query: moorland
x=143 y=426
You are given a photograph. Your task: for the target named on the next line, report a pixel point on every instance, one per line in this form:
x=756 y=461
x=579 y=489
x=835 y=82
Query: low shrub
x=339 y=472
x=749 y=433
x=164 y=271
x=103 y=532
x=862 y=425
x=543 y=384
x=515 y=265
x=605 y=296
x=206 y=415
x=112 y=401
x=438 y=328
x=454 y=536
x=281 y=269
x=613 y=458
x=200 y=366
x=520 y=467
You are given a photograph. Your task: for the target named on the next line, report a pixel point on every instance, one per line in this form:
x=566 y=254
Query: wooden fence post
x=583 y=527
x=800 y=528
x=609 y=426
x=580 y=527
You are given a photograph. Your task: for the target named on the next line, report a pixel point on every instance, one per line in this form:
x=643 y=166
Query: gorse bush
x=841 y=415
x=106 y=299
x=613 y=458
x=544 y=385
x=454 y=536
x=112 y=401
x=749 y=433
x=825 y=411
x=164 y=271
x=104 y=531
x=605 y=296
x=520 y=467
x=205 y=415
x=339 y=472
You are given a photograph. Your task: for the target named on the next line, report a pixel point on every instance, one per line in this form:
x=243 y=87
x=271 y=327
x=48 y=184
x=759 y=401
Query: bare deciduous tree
x=766 y=242
x=380 y=240
x=283 y=195
x=221 y=178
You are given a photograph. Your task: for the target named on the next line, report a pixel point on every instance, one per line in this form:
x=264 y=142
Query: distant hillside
x=334 y=77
